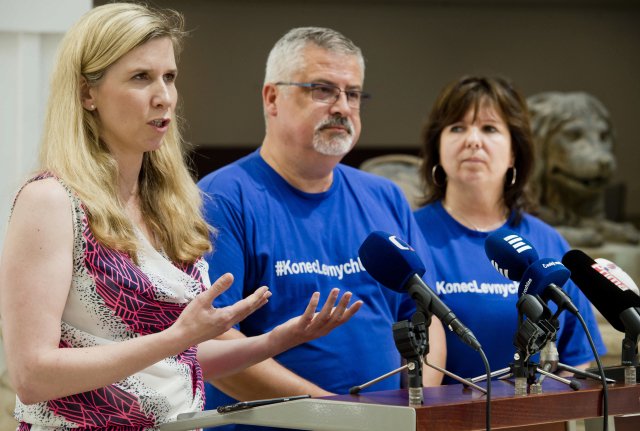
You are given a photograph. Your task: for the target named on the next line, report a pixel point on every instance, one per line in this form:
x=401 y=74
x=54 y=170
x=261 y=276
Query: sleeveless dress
x=111 y=300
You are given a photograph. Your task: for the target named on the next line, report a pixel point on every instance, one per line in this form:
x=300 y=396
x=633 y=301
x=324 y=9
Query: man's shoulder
x=367 y=180
x=425 y=212
x=355 y=173
x=233 y=175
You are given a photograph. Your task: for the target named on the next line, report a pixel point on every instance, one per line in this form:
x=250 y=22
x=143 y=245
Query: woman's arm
x=35 y=277
x=220 y=358
x=267 y=379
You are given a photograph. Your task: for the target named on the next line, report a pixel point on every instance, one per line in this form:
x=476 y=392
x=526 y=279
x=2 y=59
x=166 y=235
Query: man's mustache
x=336 y=122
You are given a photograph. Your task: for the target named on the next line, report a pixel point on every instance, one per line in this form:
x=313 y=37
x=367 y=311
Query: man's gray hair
x=285 y=59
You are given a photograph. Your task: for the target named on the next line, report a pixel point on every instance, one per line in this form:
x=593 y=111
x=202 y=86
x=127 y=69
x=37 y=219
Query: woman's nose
x=474 y=138
x=161 y=96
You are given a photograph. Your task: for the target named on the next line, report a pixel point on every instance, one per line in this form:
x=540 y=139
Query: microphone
x=395 y=264
x=614 y=298
x=509 y=253
x=516 y=259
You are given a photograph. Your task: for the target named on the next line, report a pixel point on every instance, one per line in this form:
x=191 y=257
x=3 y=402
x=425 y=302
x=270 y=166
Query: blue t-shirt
x=273 y=234
x=485 y=301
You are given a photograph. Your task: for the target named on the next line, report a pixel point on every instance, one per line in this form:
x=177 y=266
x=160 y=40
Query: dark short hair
x=455 y=100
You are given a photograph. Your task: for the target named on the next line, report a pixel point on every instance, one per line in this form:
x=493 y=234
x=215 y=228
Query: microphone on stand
x=615 y=296
x=615 y=299
x=394 y=264
x=516 y=259
x=509 y=254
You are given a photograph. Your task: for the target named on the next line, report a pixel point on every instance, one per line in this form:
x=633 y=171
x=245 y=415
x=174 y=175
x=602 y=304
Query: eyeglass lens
x=331 y=94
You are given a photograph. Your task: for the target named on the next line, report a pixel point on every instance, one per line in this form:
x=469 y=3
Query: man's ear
x=269 y=99
x=86 y=96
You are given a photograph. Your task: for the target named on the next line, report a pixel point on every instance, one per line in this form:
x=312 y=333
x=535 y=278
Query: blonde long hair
x=72 y=150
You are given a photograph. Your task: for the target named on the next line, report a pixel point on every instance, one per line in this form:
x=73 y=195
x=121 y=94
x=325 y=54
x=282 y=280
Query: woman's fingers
x=258 y=298
x=342 y=310
x=331 y=315
x=349 y=312
x=316 y=319
x=311 y=324
x=203 y=321
x=218 y=287
x=327 y=308
x=310 y=311
x=241 y=309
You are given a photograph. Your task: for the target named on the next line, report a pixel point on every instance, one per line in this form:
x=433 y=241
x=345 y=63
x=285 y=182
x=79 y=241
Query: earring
x=513 y=177
x=433 y=175
x=92 y=107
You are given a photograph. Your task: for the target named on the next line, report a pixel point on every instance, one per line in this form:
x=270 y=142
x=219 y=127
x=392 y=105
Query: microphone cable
x=605 y=392
x=488 y=371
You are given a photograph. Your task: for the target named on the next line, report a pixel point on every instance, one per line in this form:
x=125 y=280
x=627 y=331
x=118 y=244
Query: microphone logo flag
x=518 y=244
x=615 y=274
x=400 y=243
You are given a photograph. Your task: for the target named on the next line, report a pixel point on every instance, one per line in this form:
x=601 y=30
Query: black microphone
x=614 y=298
x=516 y=259
x=395 y=264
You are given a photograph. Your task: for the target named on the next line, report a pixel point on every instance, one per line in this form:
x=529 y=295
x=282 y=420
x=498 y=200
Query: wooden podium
x=446 y=408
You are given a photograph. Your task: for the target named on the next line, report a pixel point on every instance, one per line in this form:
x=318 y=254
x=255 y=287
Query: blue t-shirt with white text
x=485 y=301
x=270 y=233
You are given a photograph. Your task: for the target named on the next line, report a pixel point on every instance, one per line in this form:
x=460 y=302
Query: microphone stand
x=629 y=358
x=627 y=371
x=412 y=341
x=534 y=333
x=549 y=362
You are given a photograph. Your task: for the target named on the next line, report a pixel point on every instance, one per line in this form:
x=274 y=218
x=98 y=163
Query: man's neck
x=310 y=173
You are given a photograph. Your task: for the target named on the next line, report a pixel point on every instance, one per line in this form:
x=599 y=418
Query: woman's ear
x=86 y=95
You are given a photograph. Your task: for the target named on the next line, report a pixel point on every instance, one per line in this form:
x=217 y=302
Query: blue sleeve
x=415 y=238
x=227 y=254
x=419 y=243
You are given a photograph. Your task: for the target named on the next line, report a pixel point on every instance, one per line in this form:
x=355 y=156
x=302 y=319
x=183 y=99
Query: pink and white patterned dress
x=111 y=299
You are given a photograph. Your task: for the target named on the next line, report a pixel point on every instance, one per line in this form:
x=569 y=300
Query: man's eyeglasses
x=326 y=93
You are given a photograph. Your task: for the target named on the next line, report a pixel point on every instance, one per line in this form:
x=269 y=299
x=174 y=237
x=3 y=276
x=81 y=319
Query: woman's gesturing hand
x=201 y=321
x=311 y=324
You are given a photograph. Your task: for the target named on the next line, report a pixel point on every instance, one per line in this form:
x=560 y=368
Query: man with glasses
x=292 y=217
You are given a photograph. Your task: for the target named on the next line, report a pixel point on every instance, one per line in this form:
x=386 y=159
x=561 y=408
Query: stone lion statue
x=574 y=142
x=402 y=169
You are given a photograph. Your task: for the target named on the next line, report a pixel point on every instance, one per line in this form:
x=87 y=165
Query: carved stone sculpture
x=402 y=169
x=575 y=162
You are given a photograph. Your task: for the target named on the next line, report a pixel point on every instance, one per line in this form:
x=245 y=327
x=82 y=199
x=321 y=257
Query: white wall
x=30 y=31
